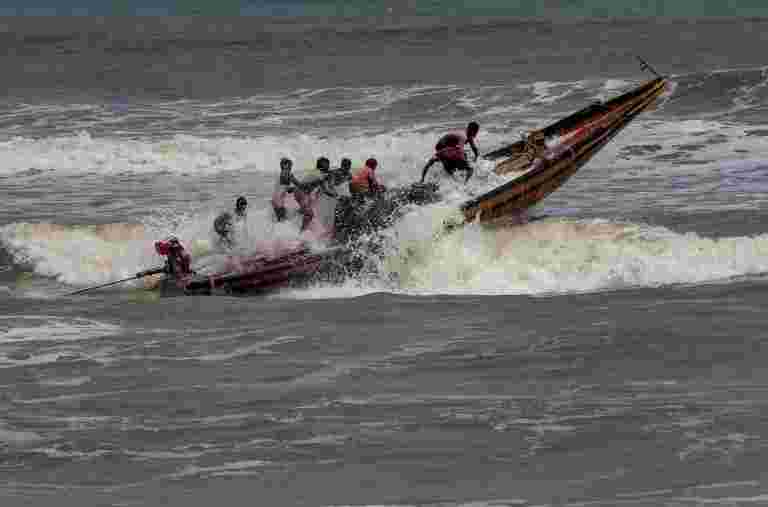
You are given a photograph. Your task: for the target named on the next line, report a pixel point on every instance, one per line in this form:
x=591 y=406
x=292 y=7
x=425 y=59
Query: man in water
x=286 y=184
x=450 y=151
x=224 y=224
x=364 y=182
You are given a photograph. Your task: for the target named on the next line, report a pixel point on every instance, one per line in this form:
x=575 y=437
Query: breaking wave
x=541 y=257
x=563 y=256
x=544 y=256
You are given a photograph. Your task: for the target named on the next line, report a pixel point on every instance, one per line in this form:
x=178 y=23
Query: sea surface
x=612 y=351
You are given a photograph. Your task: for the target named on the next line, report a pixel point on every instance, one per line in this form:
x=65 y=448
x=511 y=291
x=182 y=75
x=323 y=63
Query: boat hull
x=584 y=134
x=254 y=274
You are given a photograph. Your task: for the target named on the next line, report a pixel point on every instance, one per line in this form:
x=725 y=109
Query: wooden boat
x=538 y=170
x=251 y=274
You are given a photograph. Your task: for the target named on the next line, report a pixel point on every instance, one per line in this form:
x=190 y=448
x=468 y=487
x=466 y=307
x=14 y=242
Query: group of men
x=324 y=181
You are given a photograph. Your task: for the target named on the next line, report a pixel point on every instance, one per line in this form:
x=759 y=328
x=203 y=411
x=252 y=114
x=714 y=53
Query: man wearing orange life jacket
x=364 y=182
x=450 y=151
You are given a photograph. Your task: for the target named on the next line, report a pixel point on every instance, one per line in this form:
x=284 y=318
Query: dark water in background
x=197 y=57
x=375 y=8
x=610 y=353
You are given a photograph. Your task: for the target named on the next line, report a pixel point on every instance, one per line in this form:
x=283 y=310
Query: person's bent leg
x=468 y=171
x=304 y=201
x=449 y=166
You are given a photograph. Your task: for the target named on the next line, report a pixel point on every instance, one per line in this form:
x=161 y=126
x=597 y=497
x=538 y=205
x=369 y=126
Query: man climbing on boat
x=364 y=182
x=449 y=150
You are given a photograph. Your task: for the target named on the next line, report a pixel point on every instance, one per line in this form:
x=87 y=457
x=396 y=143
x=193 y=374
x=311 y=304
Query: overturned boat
x=537 y=166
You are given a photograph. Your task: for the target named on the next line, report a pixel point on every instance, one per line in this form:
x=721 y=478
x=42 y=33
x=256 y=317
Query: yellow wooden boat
x=545 y=159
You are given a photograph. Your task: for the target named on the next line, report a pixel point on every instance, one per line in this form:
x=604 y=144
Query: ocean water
x=609 y=352
x=349 y=8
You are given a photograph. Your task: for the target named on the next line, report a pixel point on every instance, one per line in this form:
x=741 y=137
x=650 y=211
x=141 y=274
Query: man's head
x=241 y=205
x=346 y=165
x=286 y=164
x=323 y=164
x=223 y=224
x=372 y=163
x=472 y=129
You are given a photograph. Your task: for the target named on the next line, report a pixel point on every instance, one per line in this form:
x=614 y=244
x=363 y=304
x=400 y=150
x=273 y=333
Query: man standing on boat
x=449 y=150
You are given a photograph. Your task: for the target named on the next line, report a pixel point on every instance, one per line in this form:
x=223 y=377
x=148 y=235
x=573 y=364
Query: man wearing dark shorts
x=449 y=150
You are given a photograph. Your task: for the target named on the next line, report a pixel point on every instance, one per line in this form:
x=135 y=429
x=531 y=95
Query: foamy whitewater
x=606 y=349
x=552 y=255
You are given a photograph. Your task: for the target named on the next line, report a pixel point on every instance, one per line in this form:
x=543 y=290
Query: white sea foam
x=726 y=501
x=547 y=256
x=572 y=256
x=65 y=382
x=80 y=255
x=538 y=258
x=89 y=255
x=235 y=468
x=29 y=340
x=49 y=328
x=185 y=154
x=547 y=92
x=558 y=256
